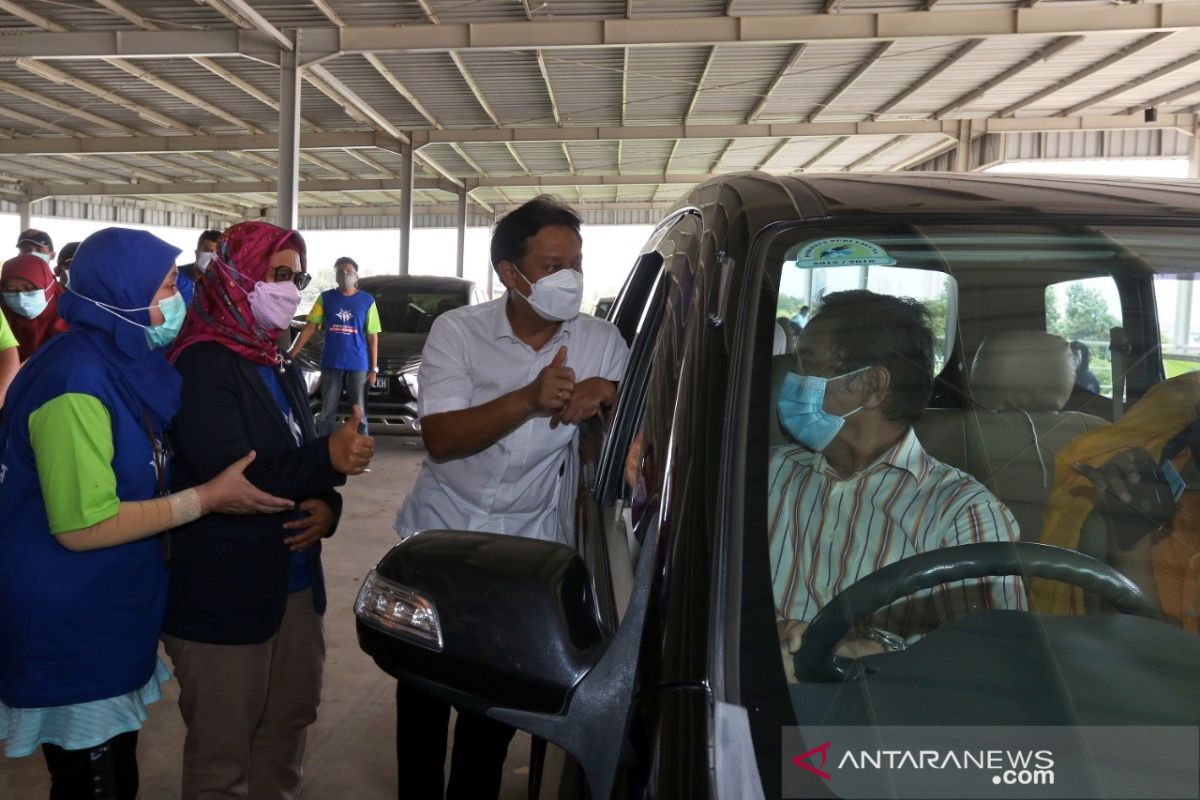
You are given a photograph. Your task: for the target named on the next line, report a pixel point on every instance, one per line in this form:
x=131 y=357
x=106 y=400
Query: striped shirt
x=826 y=532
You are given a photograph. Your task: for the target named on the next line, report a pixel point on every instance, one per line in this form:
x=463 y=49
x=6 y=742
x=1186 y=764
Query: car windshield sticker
x=843 y=252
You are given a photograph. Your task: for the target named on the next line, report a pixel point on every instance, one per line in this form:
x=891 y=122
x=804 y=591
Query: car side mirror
x=505 y=620
x=509 y=627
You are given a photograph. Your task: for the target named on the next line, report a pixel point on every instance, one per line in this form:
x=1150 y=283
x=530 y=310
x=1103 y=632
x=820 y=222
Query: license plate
x=381 y=382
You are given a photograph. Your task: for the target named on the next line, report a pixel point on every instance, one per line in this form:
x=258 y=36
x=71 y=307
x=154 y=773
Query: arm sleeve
x=616 y=353
x=981 y=518
x=444 y=377
x=7 y=339
x=210 y=433
x=72 y=443
x=373 y=320
x=317 y=315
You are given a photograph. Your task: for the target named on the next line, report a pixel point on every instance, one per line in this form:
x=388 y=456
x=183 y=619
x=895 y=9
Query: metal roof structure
x=161 y=106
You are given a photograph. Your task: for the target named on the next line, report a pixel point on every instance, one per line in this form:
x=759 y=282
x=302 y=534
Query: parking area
x=350 y=748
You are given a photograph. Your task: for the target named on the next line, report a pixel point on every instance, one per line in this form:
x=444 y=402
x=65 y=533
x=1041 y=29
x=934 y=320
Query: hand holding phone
x=1135 y=493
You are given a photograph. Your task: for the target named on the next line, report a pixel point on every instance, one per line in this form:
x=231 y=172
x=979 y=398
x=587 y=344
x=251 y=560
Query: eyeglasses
x=301 y=279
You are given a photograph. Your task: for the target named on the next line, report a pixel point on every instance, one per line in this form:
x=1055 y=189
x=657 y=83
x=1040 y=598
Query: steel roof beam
x=708 y=62
x=1169 y=97
x=784 y=71
x=1136 y=83
x=849 y=82
x=1087 y=72
x=639 y=32
x=1046 y=53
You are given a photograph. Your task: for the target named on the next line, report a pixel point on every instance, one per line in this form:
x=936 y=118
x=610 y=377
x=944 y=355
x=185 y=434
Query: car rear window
x=403 y=310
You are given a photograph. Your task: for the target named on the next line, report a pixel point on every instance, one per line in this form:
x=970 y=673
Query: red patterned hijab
x=33 y=333
x=221 y=311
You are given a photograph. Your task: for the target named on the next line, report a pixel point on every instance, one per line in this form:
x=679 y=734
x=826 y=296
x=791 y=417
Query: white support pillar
x=287 y=214
x=962 y=154
x=23 y=214
x=462 y=232
x=406 y=208
x=1194 y=152
x=491 y=275
x=1183 y=314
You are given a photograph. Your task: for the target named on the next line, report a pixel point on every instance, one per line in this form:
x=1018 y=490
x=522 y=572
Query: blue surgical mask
x=173 y=310
x=802 y=413
x=28 y=304
x=43 y=256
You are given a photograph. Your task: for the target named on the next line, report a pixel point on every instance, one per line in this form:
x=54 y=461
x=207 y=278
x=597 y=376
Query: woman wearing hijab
x=243 y=622
x=83 y=496
x=30 y=302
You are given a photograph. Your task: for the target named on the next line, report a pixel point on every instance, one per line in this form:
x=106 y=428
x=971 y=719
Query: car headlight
x=398 y=610
x=410 y=382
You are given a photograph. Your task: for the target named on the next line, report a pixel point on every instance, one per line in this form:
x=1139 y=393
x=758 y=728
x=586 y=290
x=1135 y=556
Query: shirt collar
x=907 y=454
x=502 y=328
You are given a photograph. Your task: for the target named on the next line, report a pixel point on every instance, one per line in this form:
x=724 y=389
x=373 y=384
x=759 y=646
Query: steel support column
x=24 y=215
x=962 y=154
x=462 y=232
x=1194 y=152
x=406 y=208
x=288 y=190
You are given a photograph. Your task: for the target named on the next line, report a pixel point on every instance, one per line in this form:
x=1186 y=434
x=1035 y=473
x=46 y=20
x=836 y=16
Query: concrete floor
x=351 y=752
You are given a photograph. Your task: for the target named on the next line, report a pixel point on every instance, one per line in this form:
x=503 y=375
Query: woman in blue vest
x=83 y=496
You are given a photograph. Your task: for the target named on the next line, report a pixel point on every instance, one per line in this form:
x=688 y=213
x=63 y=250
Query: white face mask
x=557 y=296
x=204 y=259
x=43 y=256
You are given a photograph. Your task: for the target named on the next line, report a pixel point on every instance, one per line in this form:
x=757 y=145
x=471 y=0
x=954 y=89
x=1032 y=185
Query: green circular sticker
x=843 y=252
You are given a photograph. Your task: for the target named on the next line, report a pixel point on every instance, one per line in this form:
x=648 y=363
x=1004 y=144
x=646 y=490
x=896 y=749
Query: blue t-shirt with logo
x=347 y=321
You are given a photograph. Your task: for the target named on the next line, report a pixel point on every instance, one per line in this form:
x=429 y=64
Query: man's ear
x=876 y=386
x=509 y=277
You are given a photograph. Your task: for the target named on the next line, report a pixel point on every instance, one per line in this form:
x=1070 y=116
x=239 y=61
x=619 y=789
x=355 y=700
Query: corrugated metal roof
x=719 y=85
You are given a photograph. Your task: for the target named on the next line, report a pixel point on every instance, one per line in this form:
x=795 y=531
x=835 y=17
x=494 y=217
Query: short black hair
x=67 y=254
x=346 y=260
x=871 y=330
x=208 y=236
x=510 y=234
x=1085 y=355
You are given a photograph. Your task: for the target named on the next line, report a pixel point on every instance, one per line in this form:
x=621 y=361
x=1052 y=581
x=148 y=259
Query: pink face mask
x=274 y=304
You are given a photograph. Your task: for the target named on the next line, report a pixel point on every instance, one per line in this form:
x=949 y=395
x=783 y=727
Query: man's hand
x=791 y=633
x=349 y=450
x=633 y=460
x=551 y=390
x=310 y=529
x=1133 y=491
x=589 y=397
x=371 y=376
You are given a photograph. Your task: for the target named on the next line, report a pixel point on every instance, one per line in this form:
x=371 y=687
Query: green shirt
x=7 y=339
x=72 y=442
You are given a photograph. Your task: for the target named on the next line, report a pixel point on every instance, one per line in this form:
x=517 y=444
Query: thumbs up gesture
x=350 y=451
x=551 y=390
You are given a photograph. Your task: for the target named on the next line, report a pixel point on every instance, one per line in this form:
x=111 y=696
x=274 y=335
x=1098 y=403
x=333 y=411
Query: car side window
x=1084 y=312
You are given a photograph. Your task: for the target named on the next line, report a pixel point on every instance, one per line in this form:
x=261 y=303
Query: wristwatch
x=891 y=642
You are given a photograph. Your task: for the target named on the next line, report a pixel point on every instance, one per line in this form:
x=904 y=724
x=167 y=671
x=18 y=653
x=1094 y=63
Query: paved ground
x=351 y=747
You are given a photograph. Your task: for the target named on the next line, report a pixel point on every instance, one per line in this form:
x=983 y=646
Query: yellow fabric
x=317 y=315
x=1152 y=422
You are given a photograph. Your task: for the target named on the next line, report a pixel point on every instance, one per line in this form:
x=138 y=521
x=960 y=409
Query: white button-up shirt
x=472 y=357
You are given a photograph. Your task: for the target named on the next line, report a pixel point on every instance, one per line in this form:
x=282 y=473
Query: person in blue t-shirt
x=349 y=359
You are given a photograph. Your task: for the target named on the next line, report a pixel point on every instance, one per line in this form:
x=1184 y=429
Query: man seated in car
x=858 y=491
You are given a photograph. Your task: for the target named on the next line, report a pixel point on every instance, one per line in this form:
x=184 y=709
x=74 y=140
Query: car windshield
x=406 y=310
x=933 y=385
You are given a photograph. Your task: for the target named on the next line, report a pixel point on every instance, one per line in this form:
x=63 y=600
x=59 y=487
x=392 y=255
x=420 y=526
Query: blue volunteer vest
x=75 y=627
x=345 y=344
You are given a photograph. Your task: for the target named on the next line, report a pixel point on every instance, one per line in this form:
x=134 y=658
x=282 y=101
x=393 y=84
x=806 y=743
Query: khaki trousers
x=248 y=707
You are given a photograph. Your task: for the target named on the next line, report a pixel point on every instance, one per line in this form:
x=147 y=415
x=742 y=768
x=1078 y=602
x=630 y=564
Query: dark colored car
x=645 y=644
x=603 y=305
x=407 y=307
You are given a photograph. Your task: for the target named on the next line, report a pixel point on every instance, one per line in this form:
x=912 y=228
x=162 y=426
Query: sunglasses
x=301 y=279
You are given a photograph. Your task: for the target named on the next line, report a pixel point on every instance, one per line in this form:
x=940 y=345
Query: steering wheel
x=815 y=661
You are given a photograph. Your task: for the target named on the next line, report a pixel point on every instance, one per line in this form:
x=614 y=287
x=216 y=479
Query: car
x=602 y=307
x=407 y=305
x=643 y=646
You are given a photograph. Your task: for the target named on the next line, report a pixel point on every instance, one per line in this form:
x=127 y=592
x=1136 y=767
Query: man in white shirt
x=503 y=386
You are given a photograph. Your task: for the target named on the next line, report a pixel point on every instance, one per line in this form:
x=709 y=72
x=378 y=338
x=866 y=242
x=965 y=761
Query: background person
x=35 y=242
x=350 y=349
x=30 y=302
x=191 y=274
x=83 y=474
x=503 y=385
x=243 y=619
x=62 y=268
